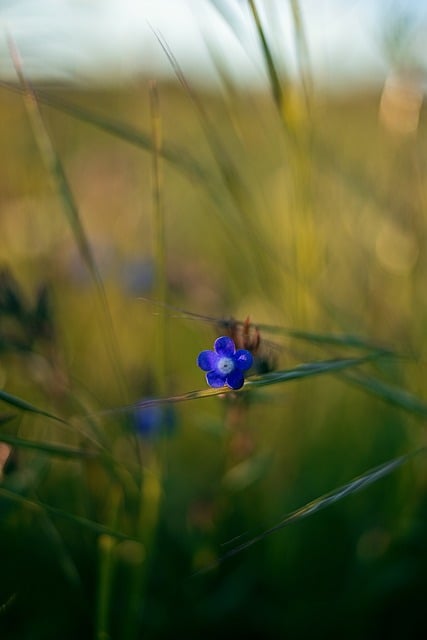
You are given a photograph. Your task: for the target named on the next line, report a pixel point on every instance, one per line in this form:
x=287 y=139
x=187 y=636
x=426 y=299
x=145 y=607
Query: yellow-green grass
x=322 y=231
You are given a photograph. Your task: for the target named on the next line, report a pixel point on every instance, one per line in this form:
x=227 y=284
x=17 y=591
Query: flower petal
x=207 y=360
x=214 y=379
x=235 y=379
x=224 y=346
x=243 y=359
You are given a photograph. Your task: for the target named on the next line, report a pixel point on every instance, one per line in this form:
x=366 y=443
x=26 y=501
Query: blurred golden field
x=315 y=221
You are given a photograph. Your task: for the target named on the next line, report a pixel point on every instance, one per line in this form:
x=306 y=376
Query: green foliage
x=306 y=214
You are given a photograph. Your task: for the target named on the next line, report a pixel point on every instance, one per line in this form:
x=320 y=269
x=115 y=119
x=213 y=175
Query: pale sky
x=89 y=40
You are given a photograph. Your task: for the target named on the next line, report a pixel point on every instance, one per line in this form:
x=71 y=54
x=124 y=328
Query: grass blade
x=38 y=506
x=176 y=156
x=275 y=84
x=57 y=173
x=391 y=394
x=330 y=339
x=60 y=450
x=305 y=370
x=23 y=405
x=328 y=499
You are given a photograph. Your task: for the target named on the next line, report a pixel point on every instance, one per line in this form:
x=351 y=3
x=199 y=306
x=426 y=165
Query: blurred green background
x=307 y=219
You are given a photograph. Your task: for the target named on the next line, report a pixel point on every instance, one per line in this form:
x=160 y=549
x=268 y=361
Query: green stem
x=106 y=546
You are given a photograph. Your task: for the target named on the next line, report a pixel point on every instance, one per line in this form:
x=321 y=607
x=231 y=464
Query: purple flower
x=225 y=365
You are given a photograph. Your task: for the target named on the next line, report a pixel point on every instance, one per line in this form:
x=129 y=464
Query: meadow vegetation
x=128 y=521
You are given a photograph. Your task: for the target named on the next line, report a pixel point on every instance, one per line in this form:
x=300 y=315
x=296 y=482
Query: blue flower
x=225 y=365
x=152 y=421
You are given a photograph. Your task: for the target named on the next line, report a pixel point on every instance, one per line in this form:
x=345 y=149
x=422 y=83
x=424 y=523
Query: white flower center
x=225 y=365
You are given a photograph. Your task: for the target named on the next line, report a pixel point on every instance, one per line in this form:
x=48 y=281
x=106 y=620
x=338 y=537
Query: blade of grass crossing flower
x=328 y=499
x=305 y=370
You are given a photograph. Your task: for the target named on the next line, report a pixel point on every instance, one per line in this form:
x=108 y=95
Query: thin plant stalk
x=106 y=547
x=159 y=237
x=151 y=474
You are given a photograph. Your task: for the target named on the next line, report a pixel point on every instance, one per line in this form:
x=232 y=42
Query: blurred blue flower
x=225 y=365
x=152 y=421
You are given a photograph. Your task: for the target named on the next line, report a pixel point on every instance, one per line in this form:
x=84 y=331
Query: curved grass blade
x=56 y=170
x=330 y=339
x=39 y=506
x=243 y=212
x=62 y=451
x=328 y=499
x=309 y=369
x=389 y=393
x=273 y=74
x=175 y=155
x=23 y=405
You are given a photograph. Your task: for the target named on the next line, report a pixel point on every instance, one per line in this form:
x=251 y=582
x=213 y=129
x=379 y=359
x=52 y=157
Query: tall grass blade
x=243 y=213
x=328 y=499
x=275 y=84
x=159 y=236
